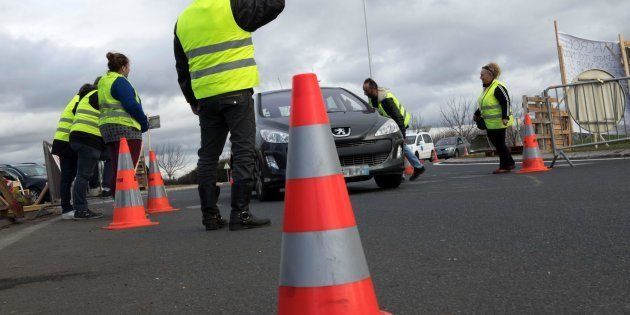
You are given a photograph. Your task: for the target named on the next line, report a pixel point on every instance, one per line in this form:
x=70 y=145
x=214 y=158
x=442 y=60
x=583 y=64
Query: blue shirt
x=125 y=94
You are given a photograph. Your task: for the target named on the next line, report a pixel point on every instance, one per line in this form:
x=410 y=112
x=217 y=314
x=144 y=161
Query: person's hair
x=371 y=83
x=116 y=61
x=96 y=80
x=493 y=68
x=85 y=89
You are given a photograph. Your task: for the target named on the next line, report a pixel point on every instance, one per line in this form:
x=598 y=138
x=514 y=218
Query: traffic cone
x=128 y=206
x=323 y=267
x=532 y=158
x=408 y=167
x=466 y=151
x=158 y=200
x=435 y=157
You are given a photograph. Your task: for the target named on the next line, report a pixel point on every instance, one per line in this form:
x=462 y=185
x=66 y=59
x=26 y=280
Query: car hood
x=445 y=146
x=360 y=123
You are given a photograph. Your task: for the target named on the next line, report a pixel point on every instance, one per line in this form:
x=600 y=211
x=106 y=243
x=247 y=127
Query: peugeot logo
x=341 y=132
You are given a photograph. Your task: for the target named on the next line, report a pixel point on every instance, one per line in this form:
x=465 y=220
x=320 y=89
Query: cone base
x=123 y=226
x=162 y=210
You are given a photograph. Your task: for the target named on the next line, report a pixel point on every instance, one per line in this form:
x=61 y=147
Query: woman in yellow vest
x=494 y=110
x=86 y=141
x=121 y=113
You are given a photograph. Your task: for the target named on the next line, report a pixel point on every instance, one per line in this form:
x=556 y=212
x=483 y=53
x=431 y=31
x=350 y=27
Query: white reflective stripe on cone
x=529 y=131
x=157 y=192
x=324 y=258
x=305 y=162
x=531 y=153
x=128 y=198
x=125 y=162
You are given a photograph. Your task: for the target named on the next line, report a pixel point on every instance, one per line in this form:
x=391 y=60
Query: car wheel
x=417 y=155
x=33 y=194
x=388 y=181
x=263 y=193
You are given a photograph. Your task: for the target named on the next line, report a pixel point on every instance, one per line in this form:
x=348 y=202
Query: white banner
x=582 y=54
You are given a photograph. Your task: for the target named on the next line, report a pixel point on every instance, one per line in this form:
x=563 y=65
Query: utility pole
x=367 y=37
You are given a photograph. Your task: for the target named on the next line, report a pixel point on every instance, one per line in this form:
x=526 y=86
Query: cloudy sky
x=426 y=51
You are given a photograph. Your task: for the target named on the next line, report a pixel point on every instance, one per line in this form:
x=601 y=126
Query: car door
x=460 y=145
x=428 y=145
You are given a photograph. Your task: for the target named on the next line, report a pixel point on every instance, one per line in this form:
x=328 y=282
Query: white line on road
x=11 y=239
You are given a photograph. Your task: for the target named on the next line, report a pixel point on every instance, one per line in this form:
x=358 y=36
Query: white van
x=421 y=144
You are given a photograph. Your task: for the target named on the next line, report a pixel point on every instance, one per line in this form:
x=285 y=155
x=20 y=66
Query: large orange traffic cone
x=158 y=200
x=435 y=157
x=532 y=159
x=408 y=167
x=323 y=267
x=466 y=151
x=128 y=206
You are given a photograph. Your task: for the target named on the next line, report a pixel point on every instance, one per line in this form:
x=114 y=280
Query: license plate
x=357 y=170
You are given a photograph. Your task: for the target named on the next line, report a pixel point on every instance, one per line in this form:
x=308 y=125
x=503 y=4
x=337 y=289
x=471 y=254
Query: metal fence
x=597 y=111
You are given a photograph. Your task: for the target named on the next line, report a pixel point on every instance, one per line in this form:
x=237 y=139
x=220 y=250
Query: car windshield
x=278 y=104
x=410 y=139
x=447 y=141
x=32 y=170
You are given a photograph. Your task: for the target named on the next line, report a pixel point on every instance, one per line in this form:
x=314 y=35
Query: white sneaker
x=94 y=192
x=68 y=215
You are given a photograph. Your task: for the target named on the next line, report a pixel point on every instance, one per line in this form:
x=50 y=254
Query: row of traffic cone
x=129 y=210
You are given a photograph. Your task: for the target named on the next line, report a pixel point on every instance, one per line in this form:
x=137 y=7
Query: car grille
x=351 y=144
x=364 y=159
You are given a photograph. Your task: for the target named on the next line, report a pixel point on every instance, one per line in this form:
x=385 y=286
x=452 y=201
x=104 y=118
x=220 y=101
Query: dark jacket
x=249 y=15
x=389 y=107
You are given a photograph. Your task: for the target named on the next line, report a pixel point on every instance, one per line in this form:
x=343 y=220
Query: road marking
x=199 y=206
x=11 y=239
x=537 y=182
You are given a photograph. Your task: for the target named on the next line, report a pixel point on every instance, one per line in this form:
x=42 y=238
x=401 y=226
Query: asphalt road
x=458 y=240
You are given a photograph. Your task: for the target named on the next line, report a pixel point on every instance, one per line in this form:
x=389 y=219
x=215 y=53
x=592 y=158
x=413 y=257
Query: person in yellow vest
x=121 y=113
x=495 y=114
x=87 y=142
x=67 y=157
x=214 y=59
x=384 y=101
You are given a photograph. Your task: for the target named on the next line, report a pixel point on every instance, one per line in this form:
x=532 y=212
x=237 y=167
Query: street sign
x=154 y=122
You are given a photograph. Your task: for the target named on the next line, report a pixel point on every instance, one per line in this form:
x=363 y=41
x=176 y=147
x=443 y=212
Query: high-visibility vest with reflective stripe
x=65 y=122
x=86 y=117
x=491 y=108
x=403 y=112
x=220 y=54
x=112 y=111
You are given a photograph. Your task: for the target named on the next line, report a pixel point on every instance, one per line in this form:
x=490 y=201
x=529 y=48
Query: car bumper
x=382 y=156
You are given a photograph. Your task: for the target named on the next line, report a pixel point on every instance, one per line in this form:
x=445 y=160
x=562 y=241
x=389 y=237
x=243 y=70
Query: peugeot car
x=368 y=145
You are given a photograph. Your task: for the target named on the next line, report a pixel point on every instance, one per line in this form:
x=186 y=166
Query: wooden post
x=563 y=74
x=624 y=55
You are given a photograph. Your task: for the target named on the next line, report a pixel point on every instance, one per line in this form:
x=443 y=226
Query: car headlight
x=388 y=127
x=274 y=136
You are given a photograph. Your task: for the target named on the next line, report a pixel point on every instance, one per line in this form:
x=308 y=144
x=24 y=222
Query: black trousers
x=497 y=137
x=68 y=164
x=233 y=113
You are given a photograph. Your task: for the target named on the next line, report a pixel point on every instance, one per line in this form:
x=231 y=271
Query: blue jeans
x=415 y=162
x=88 y=156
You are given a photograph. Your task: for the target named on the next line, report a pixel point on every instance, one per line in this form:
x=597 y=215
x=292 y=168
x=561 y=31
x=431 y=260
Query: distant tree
x=416 y=123
x=456 y=114
x=171 y=159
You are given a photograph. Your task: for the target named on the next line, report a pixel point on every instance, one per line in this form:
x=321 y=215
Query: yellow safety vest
x=86 y=117
x=65 y=122
x=399 y=106
x=491 y=108
x=220 y=53
x=112 y=111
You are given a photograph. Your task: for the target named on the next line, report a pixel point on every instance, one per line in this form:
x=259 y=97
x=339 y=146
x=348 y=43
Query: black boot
x=240 y=217
x=211 y=217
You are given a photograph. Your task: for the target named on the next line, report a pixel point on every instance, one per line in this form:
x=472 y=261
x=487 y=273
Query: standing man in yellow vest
x=388 y=105
x=216 y=70
x=67 y=157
